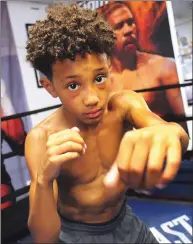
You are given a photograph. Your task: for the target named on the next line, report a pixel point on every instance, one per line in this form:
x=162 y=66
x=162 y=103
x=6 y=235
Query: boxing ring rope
x=16 y=193
x=25 y=189
x=23 y=114
x=158 y=88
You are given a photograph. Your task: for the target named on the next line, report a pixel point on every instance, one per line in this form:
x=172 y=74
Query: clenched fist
x=140 y=162
x=61 y=147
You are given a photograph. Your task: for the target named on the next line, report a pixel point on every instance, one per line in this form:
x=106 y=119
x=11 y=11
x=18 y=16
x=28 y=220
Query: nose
x=91 y=98
x=127 y=29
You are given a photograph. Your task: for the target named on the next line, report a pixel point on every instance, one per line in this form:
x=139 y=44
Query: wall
x=22 y=13
x=184 y=33
x=183 y=29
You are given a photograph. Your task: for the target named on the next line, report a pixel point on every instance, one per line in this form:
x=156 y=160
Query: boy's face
x=83 y=86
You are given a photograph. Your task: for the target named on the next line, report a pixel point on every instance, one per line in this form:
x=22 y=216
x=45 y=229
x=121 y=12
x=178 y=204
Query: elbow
x=29 y=224
x=32 y=228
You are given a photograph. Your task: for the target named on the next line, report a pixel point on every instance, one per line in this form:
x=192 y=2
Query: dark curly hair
x=67 y=31
x=109 y=8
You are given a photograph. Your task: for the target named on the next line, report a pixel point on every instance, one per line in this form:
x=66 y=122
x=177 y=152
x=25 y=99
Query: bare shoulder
x=163 y=60
x=35 y=144
x=163 y=63
x=39 y=132
x=164 y=68
x=46 y=126
x=126 y=100
x=36 y=135
x=155 y=59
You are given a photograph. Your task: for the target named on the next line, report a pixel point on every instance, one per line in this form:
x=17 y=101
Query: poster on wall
x=14 y=172
x=38 y=74
x=144 y=58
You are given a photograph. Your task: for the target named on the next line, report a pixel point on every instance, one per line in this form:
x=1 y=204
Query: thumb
x=112 y=177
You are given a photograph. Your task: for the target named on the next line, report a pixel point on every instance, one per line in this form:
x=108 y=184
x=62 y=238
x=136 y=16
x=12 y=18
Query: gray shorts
x=124 y=228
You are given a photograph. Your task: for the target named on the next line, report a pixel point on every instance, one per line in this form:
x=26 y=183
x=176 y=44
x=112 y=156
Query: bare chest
x=80 y=182
x=137 y=80
x=102 y=148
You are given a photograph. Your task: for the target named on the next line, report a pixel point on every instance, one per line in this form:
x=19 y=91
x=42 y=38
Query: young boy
x=82 y=159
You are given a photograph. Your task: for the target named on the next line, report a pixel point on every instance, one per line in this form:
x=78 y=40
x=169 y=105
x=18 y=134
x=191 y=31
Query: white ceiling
x=181 y=8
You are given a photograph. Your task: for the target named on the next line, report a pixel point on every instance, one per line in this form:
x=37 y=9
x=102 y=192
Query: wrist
x=43 y=182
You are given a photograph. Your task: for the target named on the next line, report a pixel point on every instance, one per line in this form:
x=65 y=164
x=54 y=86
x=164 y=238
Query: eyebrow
x=75 y=76
x=101 y=69
x=71 y=76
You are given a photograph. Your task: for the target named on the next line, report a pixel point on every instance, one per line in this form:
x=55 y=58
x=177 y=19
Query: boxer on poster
x=135 y=69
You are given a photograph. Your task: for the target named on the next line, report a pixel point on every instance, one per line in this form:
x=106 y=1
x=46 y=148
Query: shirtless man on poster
x=136 y=70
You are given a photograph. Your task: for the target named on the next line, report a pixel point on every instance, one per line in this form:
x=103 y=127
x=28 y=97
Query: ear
x=48 y=85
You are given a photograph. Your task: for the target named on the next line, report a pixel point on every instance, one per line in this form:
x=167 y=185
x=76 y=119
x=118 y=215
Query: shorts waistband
x=90 y=229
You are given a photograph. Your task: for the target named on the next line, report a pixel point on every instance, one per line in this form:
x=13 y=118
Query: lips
x=129 y=42
x=94 y=114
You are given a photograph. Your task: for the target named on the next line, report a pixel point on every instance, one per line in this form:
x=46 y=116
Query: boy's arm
x=138 y=113
x=134 y=109
x=43 y=221
x=142 y=152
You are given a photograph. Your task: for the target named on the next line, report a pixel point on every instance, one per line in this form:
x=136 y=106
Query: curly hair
x=109 y=8
x=67 y=31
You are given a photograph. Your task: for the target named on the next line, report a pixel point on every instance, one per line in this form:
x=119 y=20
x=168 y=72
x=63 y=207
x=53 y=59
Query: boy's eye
x=100 y=79
x=73 y=87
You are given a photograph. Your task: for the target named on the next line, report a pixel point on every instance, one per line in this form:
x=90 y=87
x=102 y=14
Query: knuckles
x=159 y=138
x=149 y=136
x=51 y=152
x=69 y=145
x=135 y=171
x=48 y=143
x=138 y=135
x=52 y=160
x=175 y=164
x=73 y=155
x=154 y=168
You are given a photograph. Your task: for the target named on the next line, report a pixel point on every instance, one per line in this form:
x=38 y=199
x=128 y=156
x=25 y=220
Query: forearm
x=44 y=222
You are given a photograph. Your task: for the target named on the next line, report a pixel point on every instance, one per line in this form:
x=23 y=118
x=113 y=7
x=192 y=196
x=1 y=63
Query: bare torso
x=147 y=75
x=82 y=195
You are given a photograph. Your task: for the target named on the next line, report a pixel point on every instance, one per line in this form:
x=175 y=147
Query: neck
x=124 y=61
